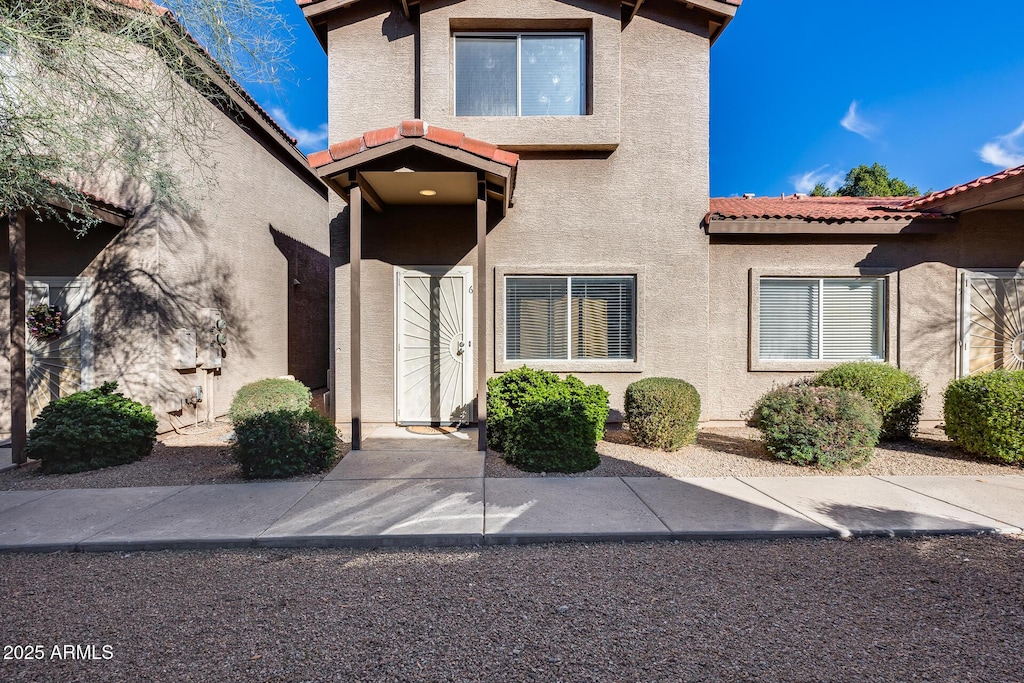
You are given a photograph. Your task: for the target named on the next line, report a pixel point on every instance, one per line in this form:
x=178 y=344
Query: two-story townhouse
x=527 y=183
x=514 y=184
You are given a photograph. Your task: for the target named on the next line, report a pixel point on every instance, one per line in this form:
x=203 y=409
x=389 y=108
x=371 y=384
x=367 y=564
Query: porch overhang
x=414 y=163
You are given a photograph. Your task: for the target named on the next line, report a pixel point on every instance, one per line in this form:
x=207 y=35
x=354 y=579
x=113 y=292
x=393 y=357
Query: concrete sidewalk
x=409 y=498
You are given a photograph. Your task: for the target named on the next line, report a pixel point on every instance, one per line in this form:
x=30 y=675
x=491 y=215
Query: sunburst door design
x=434 y=355
x=60 y=366
x=992 y=322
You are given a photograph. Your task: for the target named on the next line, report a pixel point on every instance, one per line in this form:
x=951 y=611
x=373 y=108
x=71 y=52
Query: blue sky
x=803 y=90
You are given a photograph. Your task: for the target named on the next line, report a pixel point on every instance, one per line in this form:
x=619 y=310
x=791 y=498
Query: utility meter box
x=212 y=338
x=184 y=349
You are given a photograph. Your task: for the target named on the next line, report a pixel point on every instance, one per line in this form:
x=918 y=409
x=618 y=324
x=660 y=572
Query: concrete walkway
x=431 y=498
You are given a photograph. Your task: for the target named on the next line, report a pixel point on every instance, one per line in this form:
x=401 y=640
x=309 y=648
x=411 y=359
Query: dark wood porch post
x=355 y=258
x=19 y=391
x=482 y=313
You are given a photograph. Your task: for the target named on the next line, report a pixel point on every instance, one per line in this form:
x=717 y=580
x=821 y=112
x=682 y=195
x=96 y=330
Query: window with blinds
x=561 y=318
x=520 y=74
x=822 y=319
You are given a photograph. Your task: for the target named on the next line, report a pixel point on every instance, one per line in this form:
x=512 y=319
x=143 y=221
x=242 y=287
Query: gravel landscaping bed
x=177 y=460
x=737 y=452
x=182 y=459
x=926 y=609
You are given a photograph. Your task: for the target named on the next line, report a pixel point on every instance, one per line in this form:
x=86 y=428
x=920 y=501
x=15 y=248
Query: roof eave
x=715 y=225
x=724 y=11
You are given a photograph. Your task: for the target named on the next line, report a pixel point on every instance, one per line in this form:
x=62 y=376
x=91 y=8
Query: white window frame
x=585 y=85
x=888 y=340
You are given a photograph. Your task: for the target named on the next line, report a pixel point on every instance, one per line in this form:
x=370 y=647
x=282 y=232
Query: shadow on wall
x=308 y=310
x=136 y=300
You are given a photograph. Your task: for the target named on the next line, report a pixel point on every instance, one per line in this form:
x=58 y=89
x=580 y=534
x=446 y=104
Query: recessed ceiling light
x=428 y=193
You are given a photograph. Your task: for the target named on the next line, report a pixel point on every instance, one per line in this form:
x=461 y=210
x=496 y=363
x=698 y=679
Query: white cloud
x=805 y=182
x=855 y=123
x=308 y=140
x=1006 y=151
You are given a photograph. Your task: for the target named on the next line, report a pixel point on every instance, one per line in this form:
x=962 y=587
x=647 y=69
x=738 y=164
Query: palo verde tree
x=121 y=89
x=868 y=181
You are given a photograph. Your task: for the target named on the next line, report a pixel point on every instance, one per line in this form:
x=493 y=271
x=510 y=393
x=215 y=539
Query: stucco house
x=514 y=183
x=527 y=183
x=142 y=293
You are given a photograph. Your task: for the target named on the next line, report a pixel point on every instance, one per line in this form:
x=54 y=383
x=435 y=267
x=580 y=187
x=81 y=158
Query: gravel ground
x=181 y=459
x=176 y=460
x=737 y=452
x=926 y=609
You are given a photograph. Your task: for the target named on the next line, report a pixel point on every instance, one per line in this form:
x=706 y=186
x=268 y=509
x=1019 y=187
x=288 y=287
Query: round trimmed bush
x=91 y=429
x=509 y=392
x=823 y=426
x=554 y=435
x=984 y=414
x=662 y=412
x=894 y=393
x=284 y=443
x=268 y=395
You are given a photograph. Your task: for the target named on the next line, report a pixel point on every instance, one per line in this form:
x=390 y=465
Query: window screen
x=549 y=318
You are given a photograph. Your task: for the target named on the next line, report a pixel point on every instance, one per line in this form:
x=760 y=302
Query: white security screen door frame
x=434 y=345
x=991 y=320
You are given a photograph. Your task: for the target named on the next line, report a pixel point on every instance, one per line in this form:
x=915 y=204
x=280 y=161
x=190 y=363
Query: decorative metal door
x=61 y=366
x=434 y=365
x=992 y=322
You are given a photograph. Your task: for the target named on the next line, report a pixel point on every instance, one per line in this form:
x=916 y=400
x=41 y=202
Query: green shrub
x=268 y=395
x=662 y=412
x=553 y=435
x=284 y=443
x=895 y=394
x=817 y=425
x=984 y=414
x=508 y=393
x=91 y=429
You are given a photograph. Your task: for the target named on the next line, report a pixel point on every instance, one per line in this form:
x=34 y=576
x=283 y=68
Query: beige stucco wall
x=636 y=209
x=155 y=275
x=923 y=298
x=371 y=69
x=225 y=255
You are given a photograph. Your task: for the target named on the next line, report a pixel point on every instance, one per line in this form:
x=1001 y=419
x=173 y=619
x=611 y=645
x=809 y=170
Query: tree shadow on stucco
x=147 y=278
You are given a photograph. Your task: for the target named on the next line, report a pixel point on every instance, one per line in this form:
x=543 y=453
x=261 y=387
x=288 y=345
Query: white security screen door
x=434 y=355
x=992 y=322
x=61 y=366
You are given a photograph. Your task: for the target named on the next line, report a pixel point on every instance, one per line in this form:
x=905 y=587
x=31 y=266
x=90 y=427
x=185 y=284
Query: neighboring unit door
x=60 y=366
x=992 y=322
x=434 y=355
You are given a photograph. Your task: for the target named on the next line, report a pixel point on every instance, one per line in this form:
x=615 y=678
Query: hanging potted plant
x=45 y=322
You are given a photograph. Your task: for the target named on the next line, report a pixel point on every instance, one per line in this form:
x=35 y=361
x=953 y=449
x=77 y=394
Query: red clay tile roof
x=413 y=129
x=825 y=209
x=935 y=197
x=303 y=3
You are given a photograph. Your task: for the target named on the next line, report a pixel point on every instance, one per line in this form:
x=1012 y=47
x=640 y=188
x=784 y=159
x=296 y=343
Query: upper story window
x=520 y=74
